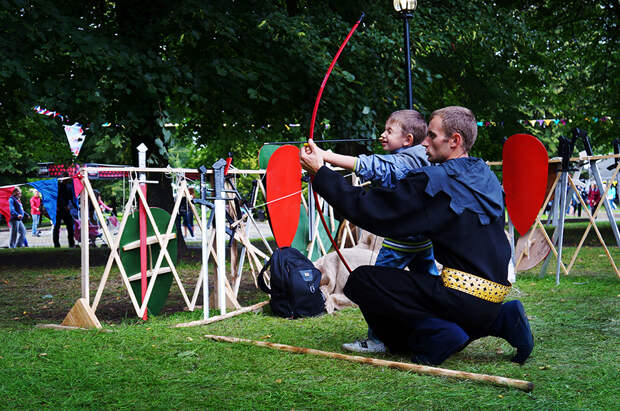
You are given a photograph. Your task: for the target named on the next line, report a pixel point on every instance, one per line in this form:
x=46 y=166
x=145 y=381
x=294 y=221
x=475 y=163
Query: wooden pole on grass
x=231 y=314
x=419 y=369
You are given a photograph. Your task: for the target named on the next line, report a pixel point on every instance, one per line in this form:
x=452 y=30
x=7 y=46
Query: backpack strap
x=261 y=280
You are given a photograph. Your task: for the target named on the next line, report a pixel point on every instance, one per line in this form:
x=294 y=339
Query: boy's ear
x=408 y=140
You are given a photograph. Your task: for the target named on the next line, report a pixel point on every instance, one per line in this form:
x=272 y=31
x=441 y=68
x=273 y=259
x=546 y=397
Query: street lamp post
x=406 y=8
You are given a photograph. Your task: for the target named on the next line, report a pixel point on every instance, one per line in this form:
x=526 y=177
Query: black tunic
x=460 y=241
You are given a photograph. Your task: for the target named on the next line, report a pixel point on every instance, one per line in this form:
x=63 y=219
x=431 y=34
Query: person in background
x=64 y=205
x=611 y=197
x=594 y=197
x=35 y=211
x=18 y=230
x=187 y=216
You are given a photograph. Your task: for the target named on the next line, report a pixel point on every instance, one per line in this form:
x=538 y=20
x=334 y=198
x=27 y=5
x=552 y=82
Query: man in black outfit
x=459 y=206
x=63 y=206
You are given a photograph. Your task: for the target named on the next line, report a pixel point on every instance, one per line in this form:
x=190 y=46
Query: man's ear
x=408 y=140
x=456 y=140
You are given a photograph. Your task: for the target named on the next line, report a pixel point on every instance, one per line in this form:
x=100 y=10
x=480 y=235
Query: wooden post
x=84 y=244
x=143 y=251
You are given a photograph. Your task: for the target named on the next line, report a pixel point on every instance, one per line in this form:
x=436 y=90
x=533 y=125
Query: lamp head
x=405 y=6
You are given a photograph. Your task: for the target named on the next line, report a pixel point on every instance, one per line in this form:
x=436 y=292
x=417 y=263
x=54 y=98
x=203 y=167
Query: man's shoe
x=512 y=325
x=367 y=346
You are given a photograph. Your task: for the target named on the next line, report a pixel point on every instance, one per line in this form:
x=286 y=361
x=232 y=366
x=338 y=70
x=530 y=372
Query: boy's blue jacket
x=387 y=169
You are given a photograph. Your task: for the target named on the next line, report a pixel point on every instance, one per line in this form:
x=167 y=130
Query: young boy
x=404 y=131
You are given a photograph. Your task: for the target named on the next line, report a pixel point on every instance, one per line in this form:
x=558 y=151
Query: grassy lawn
x=575 y=363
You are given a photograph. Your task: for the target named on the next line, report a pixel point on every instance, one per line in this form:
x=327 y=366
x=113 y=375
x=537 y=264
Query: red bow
x=316 y=107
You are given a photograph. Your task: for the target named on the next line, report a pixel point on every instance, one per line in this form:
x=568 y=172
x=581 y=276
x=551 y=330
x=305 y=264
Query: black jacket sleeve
x=392 y=213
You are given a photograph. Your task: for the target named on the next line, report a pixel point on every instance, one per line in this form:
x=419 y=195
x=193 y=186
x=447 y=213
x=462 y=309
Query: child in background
x=35 y=211
x=404 y=131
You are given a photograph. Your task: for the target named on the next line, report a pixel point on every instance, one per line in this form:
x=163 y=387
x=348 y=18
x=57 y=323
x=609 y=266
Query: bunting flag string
x=54 y=114
x=48 y=113
x=548 y=122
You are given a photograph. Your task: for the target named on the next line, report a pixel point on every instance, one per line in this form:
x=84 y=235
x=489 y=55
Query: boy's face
x=393 y=137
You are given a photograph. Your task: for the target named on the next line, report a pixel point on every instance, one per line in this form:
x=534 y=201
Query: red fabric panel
x=5 y=210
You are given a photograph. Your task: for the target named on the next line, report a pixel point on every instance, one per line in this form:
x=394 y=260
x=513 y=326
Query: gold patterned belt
x=474 y=285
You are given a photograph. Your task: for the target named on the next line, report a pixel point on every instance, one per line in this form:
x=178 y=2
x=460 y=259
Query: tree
x=233 y=75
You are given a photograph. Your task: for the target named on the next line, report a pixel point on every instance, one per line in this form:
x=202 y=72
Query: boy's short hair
x=411 y=122
x=456 y=119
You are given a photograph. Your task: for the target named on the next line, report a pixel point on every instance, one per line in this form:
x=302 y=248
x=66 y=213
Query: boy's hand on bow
x=311 y=157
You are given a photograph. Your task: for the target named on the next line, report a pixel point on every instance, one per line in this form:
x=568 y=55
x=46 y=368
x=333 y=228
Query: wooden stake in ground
x=81 y=316
x=419 y=369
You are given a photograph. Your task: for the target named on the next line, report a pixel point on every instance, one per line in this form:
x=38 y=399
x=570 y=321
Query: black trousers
x=65 y=217
x=415 y=313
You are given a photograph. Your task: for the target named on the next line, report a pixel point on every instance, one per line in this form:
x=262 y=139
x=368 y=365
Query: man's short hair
x=456 y=119
x=411 y=122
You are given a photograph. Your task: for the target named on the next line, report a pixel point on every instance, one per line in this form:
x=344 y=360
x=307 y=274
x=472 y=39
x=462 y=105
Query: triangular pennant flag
x=547 y=122
x=77 y=185
x=533 y=122
x=556 y=121
x=540 y=122
x=49 y=195
x=5 y=209
x=479 y=123
x=75 y=137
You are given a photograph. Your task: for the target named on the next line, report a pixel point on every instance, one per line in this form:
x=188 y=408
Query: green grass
x=575 y=363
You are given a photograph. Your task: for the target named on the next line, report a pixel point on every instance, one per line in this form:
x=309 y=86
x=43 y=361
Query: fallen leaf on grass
x=265 y=337
x=500 y=396
x=190 y=339
x=544 y=367
x=279 y=381
x=43 y=354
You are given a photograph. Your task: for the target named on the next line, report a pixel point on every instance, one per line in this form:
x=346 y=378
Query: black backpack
x=294 y=284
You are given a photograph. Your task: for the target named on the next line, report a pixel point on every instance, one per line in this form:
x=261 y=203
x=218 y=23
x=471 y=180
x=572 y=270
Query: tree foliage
x=233 y=74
